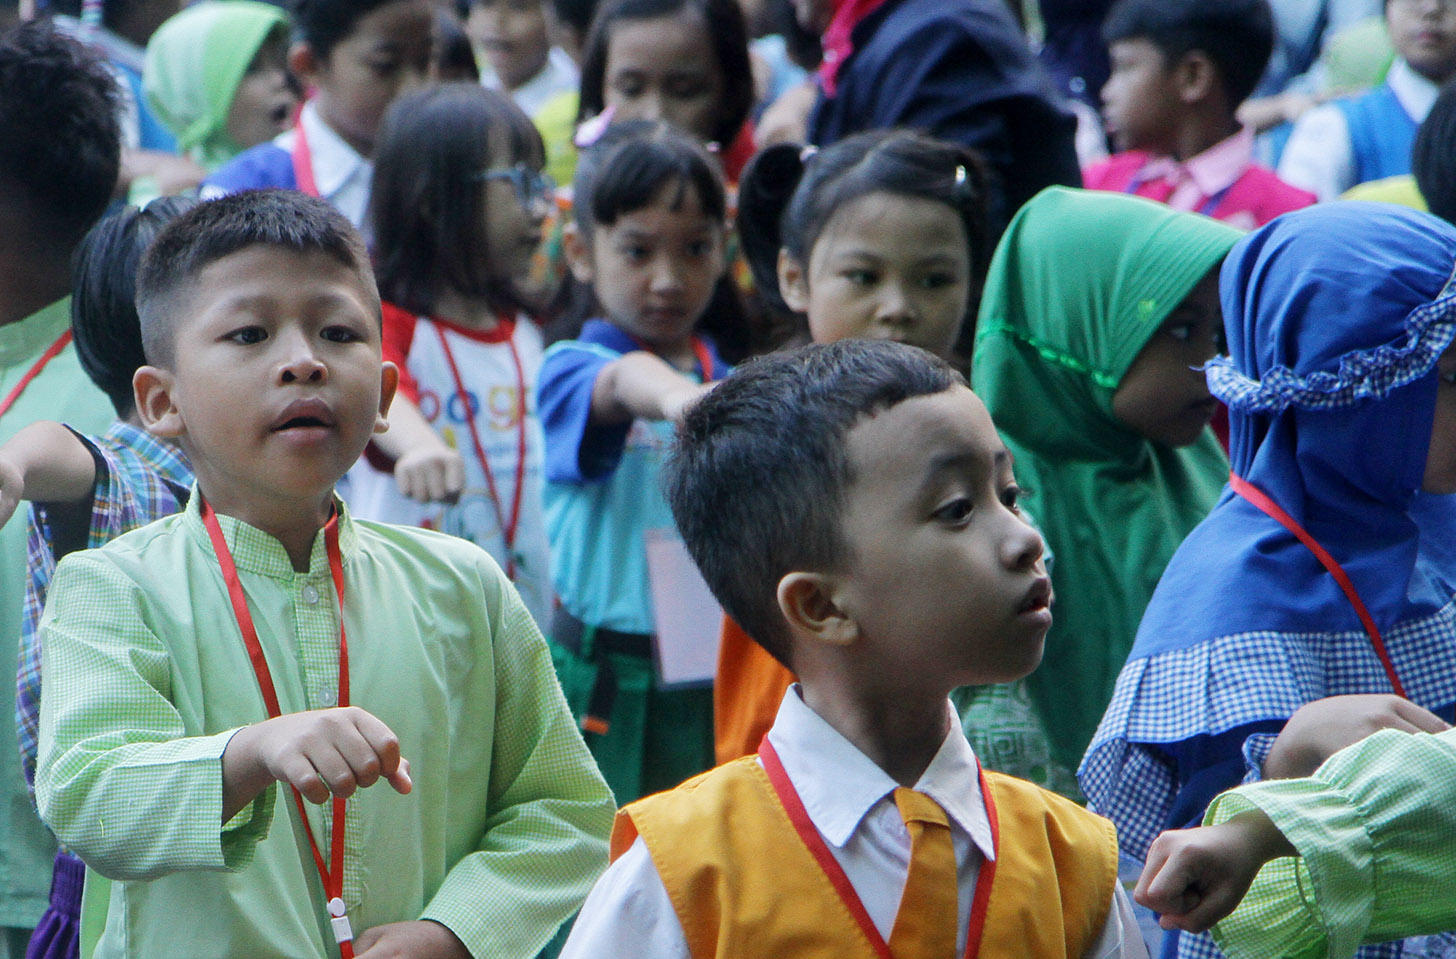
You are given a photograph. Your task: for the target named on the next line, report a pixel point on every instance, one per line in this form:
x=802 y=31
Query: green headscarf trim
x=1079 y=283
x=194 y=65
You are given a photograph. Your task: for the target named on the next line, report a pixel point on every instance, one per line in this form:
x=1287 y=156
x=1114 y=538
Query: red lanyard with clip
x=332 y=874
x=778 y=777
x=51 y=352
x=1276 y=512
x=508 y=524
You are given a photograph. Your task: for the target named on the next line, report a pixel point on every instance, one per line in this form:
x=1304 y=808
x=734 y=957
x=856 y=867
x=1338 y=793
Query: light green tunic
x=146 y=678
x=61 y=392
x=1374 y=827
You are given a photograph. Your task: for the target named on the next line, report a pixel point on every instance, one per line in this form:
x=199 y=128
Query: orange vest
x=744 y=885
x=747 y=690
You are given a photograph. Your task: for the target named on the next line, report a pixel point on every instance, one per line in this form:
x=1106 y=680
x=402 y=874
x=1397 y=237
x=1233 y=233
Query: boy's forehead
x=913 y=436
x=266 y=271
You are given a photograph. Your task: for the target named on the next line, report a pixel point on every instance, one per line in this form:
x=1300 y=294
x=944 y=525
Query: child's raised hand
x=1322 y=728
x=1195 y=877
x=420 y=939
x=322 y=753
x=432 y=473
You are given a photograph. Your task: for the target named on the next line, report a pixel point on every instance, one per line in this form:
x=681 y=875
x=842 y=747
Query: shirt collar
x=255 y=551
x=1212 y=171
x=1414 y=92
x=839 y=785
x=23 y=340
x=165 y=459
x=334 y=161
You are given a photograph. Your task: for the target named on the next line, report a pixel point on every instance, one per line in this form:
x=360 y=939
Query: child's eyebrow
x=958 y=461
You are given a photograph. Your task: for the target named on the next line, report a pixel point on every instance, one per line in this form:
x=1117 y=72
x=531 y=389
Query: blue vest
x=1381 y=134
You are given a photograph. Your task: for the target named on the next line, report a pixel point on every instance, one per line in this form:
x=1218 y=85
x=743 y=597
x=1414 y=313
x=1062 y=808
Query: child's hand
x=675 y=405
x=322 y=753
x=1195 y=877
x=12 y=489
x=1322 y=728
x=431 y=473
x=421 y=939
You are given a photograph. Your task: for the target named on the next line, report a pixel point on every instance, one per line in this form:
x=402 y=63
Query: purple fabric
x=58 y=934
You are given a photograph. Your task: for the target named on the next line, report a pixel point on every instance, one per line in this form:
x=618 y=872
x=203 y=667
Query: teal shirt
x=62 y=392
x=1374 y=828
x=147 y=677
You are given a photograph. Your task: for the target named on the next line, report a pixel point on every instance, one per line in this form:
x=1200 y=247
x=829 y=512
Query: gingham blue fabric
x=139 y=478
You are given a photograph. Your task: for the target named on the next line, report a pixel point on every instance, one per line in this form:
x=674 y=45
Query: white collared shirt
x=1319 y=157
x=851 y=803
x=340 y=172
x=558 y=75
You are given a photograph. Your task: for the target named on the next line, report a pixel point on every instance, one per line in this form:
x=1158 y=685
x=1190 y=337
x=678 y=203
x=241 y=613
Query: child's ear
x=1196 y=77
x=793 y=285
x=807 y=602
x=152 y=390
x=388 y=383
x=303 y=63
x=578 y=254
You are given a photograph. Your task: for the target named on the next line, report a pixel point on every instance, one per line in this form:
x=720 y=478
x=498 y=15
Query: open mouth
x=1038 y=598
x=304 y=414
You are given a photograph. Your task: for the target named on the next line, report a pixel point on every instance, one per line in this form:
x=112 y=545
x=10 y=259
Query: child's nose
x=1023 y=546
x=666 y=275
x=896 y=306
x=300 y=363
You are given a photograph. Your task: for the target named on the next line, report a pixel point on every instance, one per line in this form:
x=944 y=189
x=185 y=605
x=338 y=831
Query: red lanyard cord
x=778 y=777
x=51 y=352
x=331 y=874
x=303 y=158
x=1276 y=512
x=508 y=525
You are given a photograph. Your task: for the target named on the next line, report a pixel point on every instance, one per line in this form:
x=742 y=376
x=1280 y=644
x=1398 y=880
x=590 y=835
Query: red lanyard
x=332 y=874
x=1276 y=512
x=34 y=371
x=510 y=525
x=303 y=159
x=834 y=872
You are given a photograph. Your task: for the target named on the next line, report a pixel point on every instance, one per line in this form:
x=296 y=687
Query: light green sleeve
x=1374 y=827
x=118 y=778
x=545 y=841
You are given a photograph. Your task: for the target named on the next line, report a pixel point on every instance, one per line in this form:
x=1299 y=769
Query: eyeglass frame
x=532 y=186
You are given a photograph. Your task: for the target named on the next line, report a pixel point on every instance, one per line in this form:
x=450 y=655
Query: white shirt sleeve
x=1318 y=156
x=1121 y=938
x=628 y=914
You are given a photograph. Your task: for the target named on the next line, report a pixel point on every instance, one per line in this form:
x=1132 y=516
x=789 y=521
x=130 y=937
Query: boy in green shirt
x=262 y=637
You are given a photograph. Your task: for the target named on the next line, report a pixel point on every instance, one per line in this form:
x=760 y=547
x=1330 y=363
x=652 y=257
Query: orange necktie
x=926 y=924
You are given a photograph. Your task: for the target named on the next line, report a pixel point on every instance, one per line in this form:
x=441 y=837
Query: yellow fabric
x=1400 y=190
x=925 y=924
x=743 y=884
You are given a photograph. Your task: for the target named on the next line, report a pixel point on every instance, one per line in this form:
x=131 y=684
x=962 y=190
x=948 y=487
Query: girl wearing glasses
x=456 y=210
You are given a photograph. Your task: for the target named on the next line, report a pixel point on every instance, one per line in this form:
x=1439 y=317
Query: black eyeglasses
x=532 y=186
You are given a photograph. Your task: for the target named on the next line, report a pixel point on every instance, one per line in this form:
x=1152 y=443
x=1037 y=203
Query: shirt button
x=310 y=595
x=324 y=697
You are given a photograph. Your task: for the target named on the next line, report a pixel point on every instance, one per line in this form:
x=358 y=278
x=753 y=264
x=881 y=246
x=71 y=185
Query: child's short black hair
x=787 y=195
x=427 y=201
x=1237 y=35
x=454 y=57
x=1433 y=157
x=758 y=476
x=323 y=23
x=104 y=322
x=60 y=144
x=622 y=173
x=726 y=29
x=221 y=227
x=576 y=14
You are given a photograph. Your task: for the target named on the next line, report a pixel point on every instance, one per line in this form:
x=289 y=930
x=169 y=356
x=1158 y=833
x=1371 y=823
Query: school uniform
x=558 y=75
x=497 y=369
x=1222 y=182
x=960 y=71
x=602 y=498
x=1352 y=140
x=60 y=390
x=1330 y=428
x=329 y=167
x=147 y=677
x=719 y=866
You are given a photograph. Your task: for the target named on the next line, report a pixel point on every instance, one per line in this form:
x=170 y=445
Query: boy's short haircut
x=1237 y=35
x=60 y=143
x=1433 y=156
x=227 y=225
x=758 y=476
x=323 y=23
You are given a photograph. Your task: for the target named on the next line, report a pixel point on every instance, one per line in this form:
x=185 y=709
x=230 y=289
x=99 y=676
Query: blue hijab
x=1335 y=319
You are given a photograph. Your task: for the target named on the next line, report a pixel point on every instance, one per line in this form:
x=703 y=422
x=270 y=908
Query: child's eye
x=383 y=69
x=700 y=248
x=859 y=277
x=341 y=334
x=686 y=89
x=247 y=335
x=955 y=512
x=1183 y=332
x=1011 y=498
x=635 y=253
x=937 y=281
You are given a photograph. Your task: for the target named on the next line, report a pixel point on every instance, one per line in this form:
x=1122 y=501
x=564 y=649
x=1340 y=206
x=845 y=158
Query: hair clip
x=960 y=177
x=592 y=130
x=713 y=147
x=807 y=154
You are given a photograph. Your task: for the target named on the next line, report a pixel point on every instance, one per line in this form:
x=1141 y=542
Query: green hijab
x=194 y=65
x=1079 y=283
